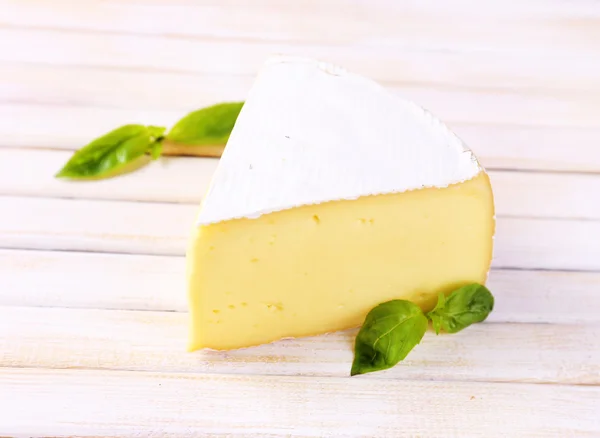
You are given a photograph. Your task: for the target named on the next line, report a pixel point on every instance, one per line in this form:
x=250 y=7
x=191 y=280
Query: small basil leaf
x=437 y=322
x=465 y=306
x=111 y=153
x=391 y=330
x=156 y=149
x=156 y=132
x=207 y=126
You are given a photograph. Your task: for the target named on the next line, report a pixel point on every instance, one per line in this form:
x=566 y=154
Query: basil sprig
x=392 y=329
x=110 y=153
x=125 y=148
x=463 y=307
x=207 y=126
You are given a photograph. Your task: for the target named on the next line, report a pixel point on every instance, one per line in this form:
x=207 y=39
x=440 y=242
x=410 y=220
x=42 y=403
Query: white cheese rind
x=310 y=132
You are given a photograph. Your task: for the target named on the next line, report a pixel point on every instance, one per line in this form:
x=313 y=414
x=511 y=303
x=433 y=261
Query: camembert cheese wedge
x=333 y=195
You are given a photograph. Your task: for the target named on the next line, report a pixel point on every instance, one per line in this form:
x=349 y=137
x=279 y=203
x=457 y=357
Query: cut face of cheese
x=332 y=196
x=320 y=268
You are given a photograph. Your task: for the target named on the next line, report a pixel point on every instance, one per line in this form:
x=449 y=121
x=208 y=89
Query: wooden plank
x=163 y=229
x=453 y=105
x=547 y=244
x=26 y=172
x=104 y=281
x=94 y=403
x=475 y=72
x=536 y=148
x=100 y=226
x=135 y=52
x=106 y=88
x=155 y=341
x=137 y=282
x=463 y=26
x=545 y=195
x=73 y=127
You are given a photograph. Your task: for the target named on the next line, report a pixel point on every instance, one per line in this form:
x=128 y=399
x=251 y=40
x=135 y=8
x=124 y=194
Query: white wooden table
x=92 y=293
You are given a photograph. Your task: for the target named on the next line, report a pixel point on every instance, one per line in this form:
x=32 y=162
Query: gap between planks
x=30 y=172
x=125 y=404
x=157 y=283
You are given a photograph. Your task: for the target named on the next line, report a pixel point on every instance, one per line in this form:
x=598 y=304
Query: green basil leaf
x=156 y=132
x=391 y=330
x=111 y=153
x=156 y=149
x=465 y=306
x=437 y=322
x=207 y=126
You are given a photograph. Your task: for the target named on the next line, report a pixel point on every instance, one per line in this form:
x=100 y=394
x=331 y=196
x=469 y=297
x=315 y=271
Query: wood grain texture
x=30 y=80
x=99 y=281
x=547 y=244
x=156 y=341
x=179 y=93
x=453 y=106
x=92 y=337
x=428 y=25
x=25 y=172
x=163 y=229
x=137 y=282
x=100 y=226
x=92 y=403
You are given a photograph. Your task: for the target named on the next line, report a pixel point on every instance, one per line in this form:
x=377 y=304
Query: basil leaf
x=435 y=320
x=391 y=330
x=113 y=152
x=156 y=149
x=207 y=126
x=465 y=306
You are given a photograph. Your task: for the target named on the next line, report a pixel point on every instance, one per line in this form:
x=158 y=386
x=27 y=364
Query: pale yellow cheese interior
x=321 y=268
